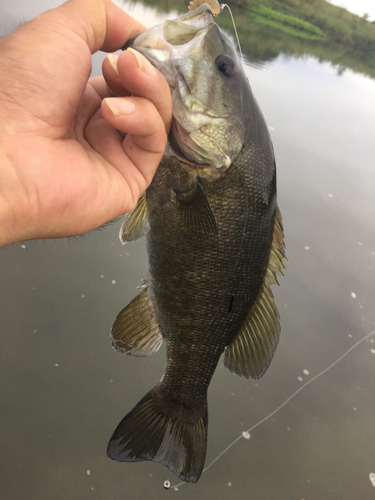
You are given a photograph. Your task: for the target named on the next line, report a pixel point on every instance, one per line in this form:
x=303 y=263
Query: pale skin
x=76 y=152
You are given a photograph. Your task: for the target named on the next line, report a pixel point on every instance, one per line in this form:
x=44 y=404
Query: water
x=64 y=389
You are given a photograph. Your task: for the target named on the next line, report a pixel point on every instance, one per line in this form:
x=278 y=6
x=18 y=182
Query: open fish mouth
x=168 y=43
x=179 y=50
x=191 y=127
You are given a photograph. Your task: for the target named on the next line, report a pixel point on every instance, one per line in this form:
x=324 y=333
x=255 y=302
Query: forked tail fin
x=153 y=431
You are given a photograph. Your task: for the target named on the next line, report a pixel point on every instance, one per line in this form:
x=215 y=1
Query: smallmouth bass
x=215 y=244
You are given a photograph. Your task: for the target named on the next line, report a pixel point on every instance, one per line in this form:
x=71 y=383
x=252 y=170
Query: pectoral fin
x=136 y=330
x=195 y=210
x=135 y=224
x=252 y=350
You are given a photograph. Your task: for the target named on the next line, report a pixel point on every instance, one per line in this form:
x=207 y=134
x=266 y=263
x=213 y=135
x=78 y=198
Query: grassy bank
x=315 y=28
x=346 y=39
x=290 y=24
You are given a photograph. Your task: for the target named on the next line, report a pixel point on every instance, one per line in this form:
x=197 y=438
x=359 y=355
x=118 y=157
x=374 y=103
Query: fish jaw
x=164 y=44
x=185 y=51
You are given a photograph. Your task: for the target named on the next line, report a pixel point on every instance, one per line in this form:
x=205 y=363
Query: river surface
x=63 y=389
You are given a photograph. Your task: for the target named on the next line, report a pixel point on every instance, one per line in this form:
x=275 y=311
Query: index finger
x=100 y=23
x=140 y=78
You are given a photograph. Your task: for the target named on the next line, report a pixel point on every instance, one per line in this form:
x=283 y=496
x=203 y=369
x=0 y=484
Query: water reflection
x=294 y=28
x=58 y=300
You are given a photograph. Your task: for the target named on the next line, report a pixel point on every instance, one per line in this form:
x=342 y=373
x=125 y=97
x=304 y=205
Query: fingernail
x=112 y=59
x=143 y=64
x=120 y=105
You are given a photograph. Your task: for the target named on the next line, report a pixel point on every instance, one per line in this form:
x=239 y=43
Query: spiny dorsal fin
x=135 y=224
x=136 y=330
x=252 y=350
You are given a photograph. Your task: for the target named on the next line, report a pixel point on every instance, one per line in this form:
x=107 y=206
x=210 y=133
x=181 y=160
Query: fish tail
x=156 y=430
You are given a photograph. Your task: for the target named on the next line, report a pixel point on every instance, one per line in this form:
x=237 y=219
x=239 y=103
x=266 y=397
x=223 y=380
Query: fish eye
x=226 y=65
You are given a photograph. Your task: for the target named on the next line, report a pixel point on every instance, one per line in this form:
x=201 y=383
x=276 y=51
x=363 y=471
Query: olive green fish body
x=203 y=285
x=214 y=245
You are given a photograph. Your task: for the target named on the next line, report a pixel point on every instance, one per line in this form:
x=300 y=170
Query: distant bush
x=319 y=28
x=297 y=25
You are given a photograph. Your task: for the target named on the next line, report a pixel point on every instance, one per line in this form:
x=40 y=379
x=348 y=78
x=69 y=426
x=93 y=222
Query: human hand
x=65 y=166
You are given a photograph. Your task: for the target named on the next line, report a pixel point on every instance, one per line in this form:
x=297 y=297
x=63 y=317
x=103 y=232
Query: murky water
x=64 y=389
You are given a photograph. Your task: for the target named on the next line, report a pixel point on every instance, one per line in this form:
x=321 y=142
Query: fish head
x=208 y=82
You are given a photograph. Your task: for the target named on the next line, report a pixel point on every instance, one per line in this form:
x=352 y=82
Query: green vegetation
x=348 y=40
x=289 y=24
x=268 y=28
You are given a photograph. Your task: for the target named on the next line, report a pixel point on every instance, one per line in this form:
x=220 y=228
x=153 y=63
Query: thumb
x=100 y=23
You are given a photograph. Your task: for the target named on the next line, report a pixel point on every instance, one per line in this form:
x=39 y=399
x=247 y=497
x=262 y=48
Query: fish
x=215 y=244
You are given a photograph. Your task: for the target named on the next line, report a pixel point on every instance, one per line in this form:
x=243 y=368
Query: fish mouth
x=177 y=49
x=202 y=170
x=192 y=104
x=191 y=121
x=192 y=126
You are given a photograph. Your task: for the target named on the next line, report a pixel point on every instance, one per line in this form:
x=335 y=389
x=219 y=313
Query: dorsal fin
x=251 y=352
x=277 y=254
x=135 y=224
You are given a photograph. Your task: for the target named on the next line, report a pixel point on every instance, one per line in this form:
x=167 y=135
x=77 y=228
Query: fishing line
x=222 y=7
x=246 y=434
x=216 y=10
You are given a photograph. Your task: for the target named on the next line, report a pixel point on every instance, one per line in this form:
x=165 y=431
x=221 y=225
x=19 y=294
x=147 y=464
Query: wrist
x=5 y=233
x=10 y=223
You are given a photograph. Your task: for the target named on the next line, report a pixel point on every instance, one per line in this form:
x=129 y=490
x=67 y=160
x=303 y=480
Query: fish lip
x=179 y=155
x=201 y=170
x=130 y=42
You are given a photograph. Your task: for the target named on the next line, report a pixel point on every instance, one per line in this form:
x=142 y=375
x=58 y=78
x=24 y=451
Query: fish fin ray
x=136 y=330
x=195 y=210
x=152 y=431
x=252 y=350
x=135 y=225
x=277 y=254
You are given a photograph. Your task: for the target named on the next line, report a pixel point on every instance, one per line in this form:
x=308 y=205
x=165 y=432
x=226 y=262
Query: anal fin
x=136 y=330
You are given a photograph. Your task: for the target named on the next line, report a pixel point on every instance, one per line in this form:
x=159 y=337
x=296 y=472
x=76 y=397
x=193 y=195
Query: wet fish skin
x=214 y=244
